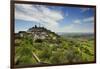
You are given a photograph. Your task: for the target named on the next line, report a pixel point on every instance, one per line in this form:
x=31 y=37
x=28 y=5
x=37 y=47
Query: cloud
x=84 y=9
x=85 y=20
x=76 y=28
x=89 y=19
x=67 y=28
x=77 y=21
x=47 y=17
x=39 y=14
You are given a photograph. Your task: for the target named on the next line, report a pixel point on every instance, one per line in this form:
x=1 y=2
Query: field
x=68 y=48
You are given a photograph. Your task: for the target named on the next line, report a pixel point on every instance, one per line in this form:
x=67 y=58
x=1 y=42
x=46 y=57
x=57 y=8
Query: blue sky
x=54 y=18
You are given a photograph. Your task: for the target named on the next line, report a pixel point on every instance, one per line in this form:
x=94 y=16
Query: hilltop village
x=38 y=33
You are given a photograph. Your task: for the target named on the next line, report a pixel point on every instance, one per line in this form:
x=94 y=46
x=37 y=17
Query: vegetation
x=61 y=50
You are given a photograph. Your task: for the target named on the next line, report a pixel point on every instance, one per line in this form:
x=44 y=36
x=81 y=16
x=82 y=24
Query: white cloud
x=47 y=17
x=89 y=19
x=77 y=21
x=85 y=20
x=84 y=9
x=80 y=25
x=39 y=14
x=76 y=28
x=67 y=28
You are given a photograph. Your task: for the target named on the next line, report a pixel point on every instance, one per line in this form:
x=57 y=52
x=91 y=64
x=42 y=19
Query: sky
x=55 y=18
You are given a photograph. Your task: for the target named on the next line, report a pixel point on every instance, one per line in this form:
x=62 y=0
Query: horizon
x=61 y=32
x=54 y=18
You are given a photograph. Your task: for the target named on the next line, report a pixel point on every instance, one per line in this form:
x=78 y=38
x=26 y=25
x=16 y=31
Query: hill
x=39 y=45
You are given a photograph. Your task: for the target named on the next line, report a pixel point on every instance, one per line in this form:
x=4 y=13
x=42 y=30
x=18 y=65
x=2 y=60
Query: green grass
x=51 y=52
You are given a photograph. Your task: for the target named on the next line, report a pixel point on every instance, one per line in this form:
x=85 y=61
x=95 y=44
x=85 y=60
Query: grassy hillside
x=64 y=49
